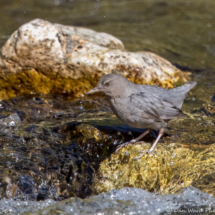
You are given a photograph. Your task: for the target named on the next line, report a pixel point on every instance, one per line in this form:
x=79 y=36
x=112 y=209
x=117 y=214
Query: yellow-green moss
x=172 y=167
x=30 y=82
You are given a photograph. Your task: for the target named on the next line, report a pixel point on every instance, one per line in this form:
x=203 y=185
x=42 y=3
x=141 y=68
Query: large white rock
x=56 y=52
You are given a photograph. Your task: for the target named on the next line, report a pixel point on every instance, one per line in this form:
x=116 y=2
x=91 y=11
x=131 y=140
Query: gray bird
x=142 y=106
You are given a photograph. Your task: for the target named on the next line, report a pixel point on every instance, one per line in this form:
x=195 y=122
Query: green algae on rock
x=41 y=57
x=172 y=168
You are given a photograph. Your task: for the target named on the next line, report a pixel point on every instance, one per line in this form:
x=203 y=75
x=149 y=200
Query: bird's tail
x=186 y=87
x=178 y=94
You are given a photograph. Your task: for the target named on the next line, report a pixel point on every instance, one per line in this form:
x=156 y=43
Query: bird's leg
x=151 y=150
x=132 y=141
x=140 y=137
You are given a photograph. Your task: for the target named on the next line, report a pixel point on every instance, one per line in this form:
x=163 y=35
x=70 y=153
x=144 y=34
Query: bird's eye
x=107 y=83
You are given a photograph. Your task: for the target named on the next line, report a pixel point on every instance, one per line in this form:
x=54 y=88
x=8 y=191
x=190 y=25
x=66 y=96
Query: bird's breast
x=119 y=108
x=122 y=108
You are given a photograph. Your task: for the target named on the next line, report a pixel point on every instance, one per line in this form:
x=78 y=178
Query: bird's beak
x=95 y=89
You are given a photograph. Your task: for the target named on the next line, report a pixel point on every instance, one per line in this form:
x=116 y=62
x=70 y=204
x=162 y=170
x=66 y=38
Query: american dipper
x=142 y=106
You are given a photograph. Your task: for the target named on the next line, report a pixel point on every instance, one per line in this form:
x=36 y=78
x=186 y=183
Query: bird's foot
x=121 y=145
x=150 y=152
x=124 y=144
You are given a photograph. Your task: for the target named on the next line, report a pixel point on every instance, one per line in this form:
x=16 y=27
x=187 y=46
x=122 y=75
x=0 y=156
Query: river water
x=181 y=31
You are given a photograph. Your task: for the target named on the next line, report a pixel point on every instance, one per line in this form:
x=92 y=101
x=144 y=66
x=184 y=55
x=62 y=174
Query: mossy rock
x=173 y=167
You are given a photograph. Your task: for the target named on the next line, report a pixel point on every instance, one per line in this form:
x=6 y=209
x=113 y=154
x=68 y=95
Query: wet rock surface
x=40 y=165
x=51 y=146
x=41 y=57
x=37 y=162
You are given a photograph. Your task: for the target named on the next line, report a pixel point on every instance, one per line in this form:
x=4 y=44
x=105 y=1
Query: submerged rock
x=51 y=58
x=172 y=167
x=124 y=201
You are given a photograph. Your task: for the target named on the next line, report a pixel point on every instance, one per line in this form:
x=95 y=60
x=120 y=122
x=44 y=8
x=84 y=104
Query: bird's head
x=111 y=85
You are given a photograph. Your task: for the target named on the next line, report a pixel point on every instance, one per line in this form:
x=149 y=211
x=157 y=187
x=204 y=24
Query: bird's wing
x=154 y=107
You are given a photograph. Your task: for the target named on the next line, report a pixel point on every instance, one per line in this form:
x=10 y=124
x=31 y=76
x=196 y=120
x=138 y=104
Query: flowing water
x=181 y=31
